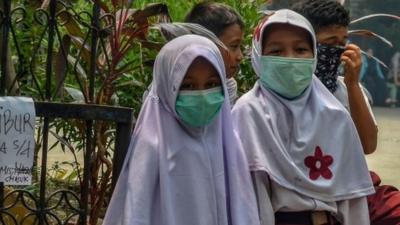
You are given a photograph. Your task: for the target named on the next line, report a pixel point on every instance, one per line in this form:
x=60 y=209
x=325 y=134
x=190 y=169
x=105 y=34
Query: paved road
x=386 y=160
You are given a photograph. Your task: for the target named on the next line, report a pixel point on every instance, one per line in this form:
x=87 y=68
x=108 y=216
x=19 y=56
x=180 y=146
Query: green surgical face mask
x=288 y=77
x=198 y=108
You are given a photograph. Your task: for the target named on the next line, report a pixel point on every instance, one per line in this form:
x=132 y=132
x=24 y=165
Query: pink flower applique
x=319 y=165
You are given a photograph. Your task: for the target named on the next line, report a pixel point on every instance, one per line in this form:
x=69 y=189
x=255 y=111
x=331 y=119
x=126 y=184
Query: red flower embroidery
x=319 y=164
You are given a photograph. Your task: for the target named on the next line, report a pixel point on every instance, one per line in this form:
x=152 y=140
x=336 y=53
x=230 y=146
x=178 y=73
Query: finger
x=350 y=53
x=354 y=56
x=353 y=47
x=348 y=63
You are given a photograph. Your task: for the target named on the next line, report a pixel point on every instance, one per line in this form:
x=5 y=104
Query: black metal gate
x=20 y=76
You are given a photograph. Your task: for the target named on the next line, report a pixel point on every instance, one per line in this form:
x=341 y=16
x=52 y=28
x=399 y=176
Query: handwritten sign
x=17 y=128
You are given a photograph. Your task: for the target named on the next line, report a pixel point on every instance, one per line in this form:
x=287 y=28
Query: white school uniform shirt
x=283 y=137
x=175 y=174
x=342 y=96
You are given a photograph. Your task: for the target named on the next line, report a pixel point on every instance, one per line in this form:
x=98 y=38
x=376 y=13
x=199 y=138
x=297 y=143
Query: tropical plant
x=115 y=31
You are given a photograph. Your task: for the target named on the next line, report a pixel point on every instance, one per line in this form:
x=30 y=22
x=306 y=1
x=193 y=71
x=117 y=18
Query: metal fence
x=20 y=75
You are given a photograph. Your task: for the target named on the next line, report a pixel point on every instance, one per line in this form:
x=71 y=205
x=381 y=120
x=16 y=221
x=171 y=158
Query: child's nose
x=200 y=87
x=239 y=56
x=290 y=54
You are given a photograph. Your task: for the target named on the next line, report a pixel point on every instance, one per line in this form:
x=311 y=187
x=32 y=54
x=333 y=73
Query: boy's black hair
x=216 y=17
x=323 y=13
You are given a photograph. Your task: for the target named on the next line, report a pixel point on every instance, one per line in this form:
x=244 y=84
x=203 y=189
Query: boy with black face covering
x=330 y=21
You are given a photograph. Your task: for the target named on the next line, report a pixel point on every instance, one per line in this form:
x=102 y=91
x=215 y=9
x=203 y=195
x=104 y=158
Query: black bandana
x=327 y=65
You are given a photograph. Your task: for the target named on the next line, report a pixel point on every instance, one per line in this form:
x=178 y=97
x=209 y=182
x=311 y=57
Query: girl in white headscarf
x=184 y=165
x=302 y=146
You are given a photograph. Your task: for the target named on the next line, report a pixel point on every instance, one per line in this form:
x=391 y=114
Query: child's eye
x=234 y=47
x=186 y=86
x=274 y=52
x=213 y=84
x=302 y=50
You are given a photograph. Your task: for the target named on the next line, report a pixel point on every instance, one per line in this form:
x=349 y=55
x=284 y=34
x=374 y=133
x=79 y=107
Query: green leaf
x=61 y=63
x=77 y=67
x=83 y=46
x=71 y=24
x=76 y=94
x=102 y=5
x=132 y=82
x=154 y=9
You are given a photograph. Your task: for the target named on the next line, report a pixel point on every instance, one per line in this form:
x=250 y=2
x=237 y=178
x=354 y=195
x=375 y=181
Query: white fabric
x=232 y=88
x=341 y=94
x=174 y=174
x=279 y=134
x=347 y=212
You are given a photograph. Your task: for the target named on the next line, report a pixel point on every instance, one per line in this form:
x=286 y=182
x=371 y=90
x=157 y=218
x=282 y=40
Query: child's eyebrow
x=235 y=40
x=303 y=42
x=273 y=44
x=187 y=77
x=331 y=38
x=214 y=76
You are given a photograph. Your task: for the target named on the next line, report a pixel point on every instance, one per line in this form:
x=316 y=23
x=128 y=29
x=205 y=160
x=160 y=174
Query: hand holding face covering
x=287 y=132
x=180 y=171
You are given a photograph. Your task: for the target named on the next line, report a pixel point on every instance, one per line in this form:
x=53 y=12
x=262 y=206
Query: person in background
x=330 y=21
x=224 y=24
x=373 y=79
x=228 y=26
x=393 y=80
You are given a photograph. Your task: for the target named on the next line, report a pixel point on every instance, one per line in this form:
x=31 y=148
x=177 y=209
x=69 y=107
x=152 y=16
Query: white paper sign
x=17 y=144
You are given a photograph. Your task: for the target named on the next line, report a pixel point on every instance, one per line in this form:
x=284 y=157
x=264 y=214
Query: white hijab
x=284 y=137
x=177 y=175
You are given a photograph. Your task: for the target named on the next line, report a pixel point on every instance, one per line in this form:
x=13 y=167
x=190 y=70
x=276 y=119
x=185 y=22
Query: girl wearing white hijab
x=302 y=146
x=185 y=166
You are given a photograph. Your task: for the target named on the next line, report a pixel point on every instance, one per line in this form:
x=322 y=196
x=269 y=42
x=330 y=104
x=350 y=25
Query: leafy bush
x=123 y=71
